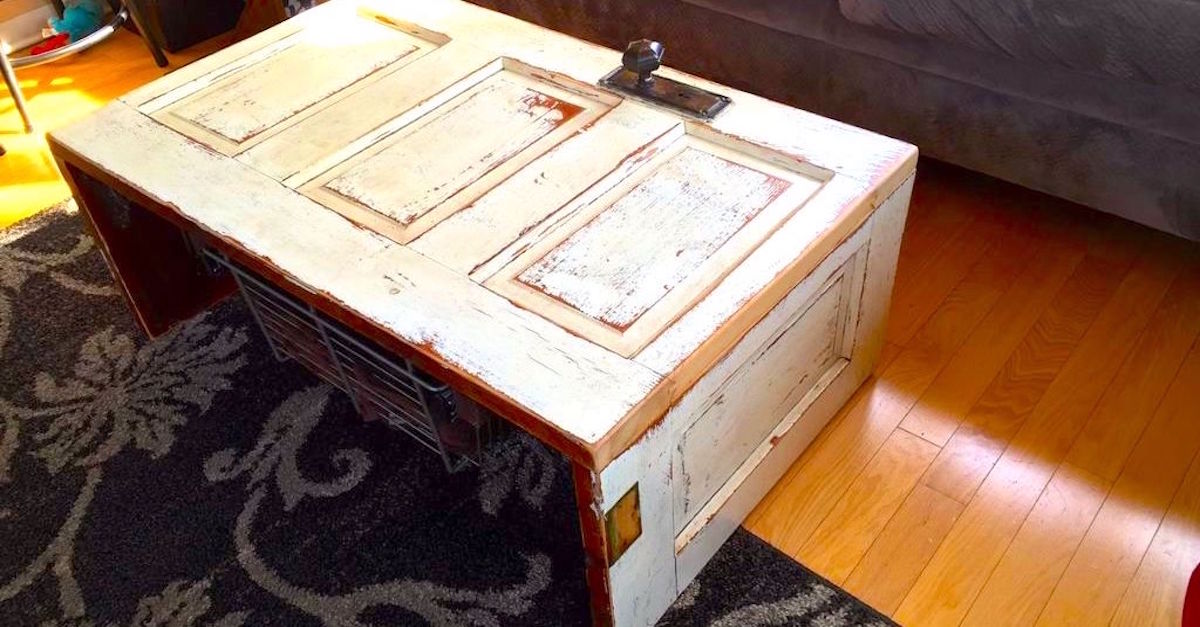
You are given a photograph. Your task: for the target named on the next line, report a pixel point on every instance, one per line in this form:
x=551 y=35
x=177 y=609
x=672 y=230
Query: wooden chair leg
x=138 y=17
x=14 y=87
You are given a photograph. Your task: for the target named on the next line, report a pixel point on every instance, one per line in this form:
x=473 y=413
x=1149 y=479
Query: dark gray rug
x=196 y=481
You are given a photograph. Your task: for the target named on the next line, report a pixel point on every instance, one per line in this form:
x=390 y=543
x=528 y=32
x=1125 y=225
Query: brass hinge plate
x=623 y=524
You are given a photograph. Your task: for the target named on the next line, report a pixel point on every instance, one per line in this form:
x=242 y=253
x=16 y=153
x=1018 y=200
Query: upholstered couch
x=1096 y=101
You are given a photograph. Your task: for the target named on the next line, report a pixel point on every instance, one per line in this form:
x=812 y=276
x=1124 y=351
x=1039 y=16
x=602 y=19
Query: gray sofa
x=1093 y=101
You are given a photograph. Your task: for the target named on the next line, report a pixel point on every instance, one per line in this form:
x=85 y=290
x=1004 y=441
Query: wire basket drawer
x=382 y=386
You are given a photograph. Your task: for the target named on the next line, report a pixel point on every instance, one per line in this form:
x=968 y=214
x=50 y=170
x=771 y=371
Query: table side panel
x=754 y=399
x=642 y=581
x=641 y=591
x=151 y=259
x=875 y=263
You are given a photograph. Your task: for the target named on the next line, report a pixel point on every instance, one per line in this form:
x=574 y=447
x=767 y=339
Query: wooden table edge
x=574 y=448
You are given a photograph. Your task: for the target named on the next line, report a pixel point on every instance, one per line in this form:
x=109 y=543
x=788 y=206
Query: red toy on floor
x=53 y=43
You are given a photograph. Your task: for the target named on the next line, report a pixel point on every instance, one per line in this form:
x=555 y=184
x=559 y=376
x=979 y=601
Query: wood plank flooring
x=1029 y=453
x=58 y=93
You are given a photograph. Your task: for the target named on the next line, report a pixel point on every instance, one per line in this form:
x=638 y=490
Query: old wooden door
x=607 y=216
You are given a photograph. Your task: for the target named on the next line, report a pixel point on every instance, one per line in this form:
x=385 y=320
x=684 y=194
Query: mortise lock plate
x=636 y=78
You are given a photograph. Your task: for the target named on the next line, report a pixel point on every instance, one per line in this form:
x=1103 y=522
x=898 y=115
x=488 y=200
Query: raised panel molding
x=683 y=220
x=756 y=397
x=239 y=106
x=407 y=183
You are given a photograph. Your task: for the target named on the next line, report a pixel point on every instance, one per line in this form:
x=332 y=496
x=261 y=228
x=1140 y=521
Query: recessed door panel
x=504 y=117
x=621 y=271
x=665 y=228
x=422 y=170
x=741 y=414
x=238 y=107
x=617 y=144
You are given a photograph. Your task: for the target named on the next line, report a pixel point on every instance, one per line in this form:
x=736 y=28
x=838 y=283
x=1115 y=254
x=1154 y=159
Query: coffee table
x=672 y=283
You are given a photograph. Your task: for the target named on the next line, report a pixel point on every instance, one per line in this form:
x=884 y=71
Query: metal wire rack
x=382 y=386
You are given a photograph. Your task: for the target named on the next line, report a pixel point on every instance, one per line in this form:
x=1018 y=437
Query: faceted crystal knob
x=642 y=57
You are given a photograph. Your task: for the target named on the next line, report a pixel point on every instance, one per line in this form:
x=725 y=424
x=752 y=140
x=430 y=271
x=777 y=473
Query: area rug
x=195 y=480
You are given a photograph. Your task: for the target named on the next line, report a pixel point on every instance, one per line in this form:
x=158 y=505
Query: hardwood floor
x=58 y=93
x=1027 y=454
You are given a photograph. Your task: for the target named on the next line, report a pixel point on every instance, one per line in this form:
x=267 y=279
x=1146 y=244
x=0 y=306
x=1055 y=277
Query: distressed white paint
x=708 y=528
x=886 y=232
x=752 y=401
x=324 y=141
x=876 y=245
x=607 y=152
x=642 y=581
x=404 y=178
x=860 y=267
x=707 y=205
x=708 y=332
x=297 y=77
x=854 y=152
x=421 y=170
x=692 y=204
x=577 y=387
x=583 y=206
x=794 y=249
x=858 y=168
x=237 y=106
x=184 y=81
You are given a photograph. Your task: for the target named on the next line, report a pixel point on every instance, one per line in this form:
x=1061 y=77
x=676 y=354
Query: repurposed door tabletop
x=676 y=304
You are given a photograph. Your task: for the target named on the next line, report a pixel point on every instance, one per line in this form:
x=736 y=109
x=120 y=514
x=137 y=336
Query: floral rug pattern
x=194 y=480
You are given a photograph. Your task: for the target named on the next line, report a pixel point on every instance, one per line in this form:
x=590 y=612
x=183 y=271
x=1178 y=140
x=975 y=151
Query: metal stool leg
x=138 y=18
x=14 y=87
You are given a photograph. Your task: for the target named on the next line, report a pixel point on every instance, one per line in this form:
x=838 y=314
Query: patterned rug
x=195 y=480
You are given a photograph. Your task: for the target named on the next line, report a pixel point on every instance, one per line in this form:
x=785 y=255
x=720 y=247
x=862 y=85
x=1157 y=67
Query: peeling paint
x=611 y=271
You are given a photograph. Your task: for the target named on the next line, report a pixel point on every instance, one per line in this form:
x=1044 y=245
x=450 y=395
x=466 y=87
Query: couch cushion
x=1165 y=110
x=1150 y=41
